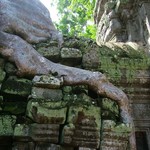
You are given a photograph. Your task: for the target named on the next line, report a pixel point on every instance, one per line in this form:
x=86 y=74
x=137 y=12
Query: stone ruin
x=41 y=111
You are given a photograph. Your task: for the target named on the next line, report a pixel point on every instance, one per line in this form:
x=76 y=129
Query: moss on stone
x=2 y=75
x=110 y=109
x=78 y=114
x=7 y=123
x=119 y=62
x=14 y=108
x=122 y=130
x=52 y=53
x=17 y=86
x=21 y=130
x=44 y=111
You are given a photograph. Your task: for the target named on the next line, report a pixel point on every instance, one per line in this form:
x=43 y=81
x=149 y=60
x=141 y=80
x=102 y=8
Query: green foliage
x=76 y=17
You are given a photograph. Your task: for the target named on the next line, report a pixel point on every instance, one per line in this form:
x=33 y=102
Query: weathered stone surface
x=118 y=21
x=141 y=111
x=84 y=126
x=14 y=107
x=47 y=146
x=66 y=148
x=7 y=123
x=47 y=81
x=110 y=109
x=2 y=62
x=71 y=56
x=10 y=68
x=71 y=53
x=21 y=134
x=84 y=148
x=1 y=102
x=47 y=112
x=115 y=137
x=23 y=146
x=44 y=132
x=52 y=53
x=37 y=132
x=2 y=75
x=91 y=59
x=17 y=86
x=44 y=93
x=67 y=89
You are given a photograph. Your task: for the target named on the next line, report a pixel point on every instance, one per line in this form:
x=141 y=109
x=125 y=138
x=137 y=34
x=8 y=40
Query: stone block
x=71 y=56
x=48 y=133
x=52 y=53
x=47 y=81
x=21 y=132
x=10 y=68
x=14 y=107
x=110 y=109
x=91 y=59
x=67 y=148
x=47 y=146
x=23 y=146
x=83 y=129
x=89 y=116
x=2 y=75
x=67 y=89
x=7 y=123
x=1 y=102
x=2 y=63
x=85 y=148
x=47 y=112
x=115 y=136
x=17 y=86
x=37 y=132
x=44 y=93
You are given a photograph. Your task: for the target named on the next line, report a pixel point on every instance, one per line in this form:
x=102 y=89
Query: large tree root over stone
x=21 y=24
x=30 y=62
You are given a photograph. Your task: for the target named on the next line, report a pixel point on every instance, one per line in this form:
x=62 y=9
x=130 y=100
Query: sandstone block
x=44 y=133
x=2 y=75
x=47 y=81
x=44 y=93
x=115 y=136
x=52 y=53
x=83 y=129
x=71 y=56
x=7 y=123
x=47 y=112
x=17 y=86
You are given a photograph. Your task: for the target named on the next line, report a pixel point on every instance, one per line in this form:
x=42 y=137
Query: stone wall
x=123 y=20
x=42 y=113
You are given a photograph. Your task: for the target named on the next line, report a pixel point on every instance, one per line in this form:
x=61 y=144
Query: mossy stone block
x=71 y=56
x=47 y=112
x=44 y=93
x=2 y=75
x=10 y=68
x=2 y=63
x=90 y=116
x=110 y=109
x=7 y=123
x=47 y=81
x=52 y=53
x=21 y=130
x=14 y=108
x=17 y=86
